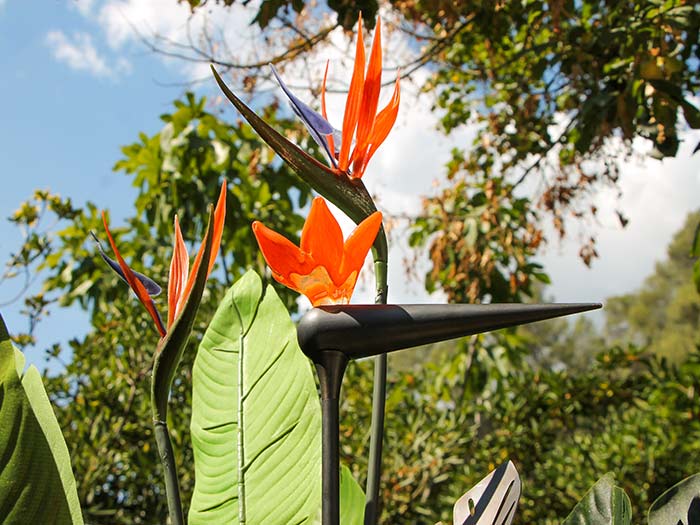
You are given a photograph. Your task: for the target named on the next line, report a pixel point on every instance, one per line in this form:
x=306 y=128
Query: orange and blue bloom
x=181 y=278
x=364 y=130
x=324 y=267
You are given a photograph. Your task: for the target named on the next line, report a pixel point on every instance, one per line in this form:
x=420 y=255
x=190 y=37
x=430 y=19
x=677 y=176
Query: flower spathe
x=323 y=267
x=363 y=129
x=181 y=277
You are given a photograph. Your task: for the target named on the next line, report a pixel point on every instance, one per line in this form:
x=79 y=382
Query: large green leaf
x=604 y=504
x=256 y=419
x=36 y=480
x=679 y=505
x=352 y=499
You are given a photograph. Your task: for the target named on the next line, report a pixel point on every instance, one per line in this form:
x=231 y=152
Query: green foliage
x=605 y=68
x=631 y=413
x=256 y=418
x=36 y=480
x=695 y=252
x=102 y=393
x=604 y=504
x=665 y=313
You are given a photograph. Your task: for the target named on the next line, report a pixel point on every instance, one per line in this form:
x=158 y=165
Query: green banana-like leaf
x=170 y=348
x=352 y=499
x=679 y=505
x=604 y=504
x=36 y=480
x=256 y=417
x=350 y=195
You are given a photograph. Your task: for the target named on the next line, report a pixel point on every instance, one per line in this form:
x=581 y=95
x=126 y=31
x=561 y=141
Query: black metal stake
x=332 y=335
x=330 y=366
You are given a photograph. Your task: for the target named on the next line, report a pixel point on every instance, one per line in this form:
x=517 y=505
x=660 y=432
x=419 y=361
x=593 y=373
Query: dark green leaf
x=679 y=505
x=603 y=504
x=36 y=480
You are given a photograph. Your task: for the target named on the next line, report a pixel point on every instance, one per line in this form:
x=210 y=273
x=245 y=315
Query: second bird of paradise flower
x=324 y=267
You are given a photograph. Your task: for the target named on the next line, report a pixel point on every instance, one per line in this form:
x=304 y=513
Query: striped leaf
x=492 y=501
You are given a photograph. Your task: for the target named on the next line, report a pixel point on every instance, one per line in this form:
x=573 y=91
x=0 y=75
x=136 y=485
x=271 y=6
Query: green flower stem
x=374 y=472
x=167 y=458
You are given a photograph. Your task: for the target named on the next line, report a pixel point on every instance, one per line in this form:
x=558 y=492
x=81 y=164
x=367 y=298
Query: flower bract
x=181 y=277
x=323 y=267
x=364 y=129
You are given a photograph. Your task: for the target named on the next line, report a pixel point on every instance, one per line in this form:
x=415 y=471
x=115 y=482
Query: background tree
x=664 y=315
x=558 y=89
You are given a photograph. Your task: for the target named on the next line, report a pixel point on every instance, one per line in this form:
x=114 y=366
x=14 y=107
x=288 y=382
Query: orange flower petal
x=322 y=238
x=179 y=270
x=219 y=217
x=370 y=94
x=136 y=285
x=358 y=244
x=320 y=289
x=382 y=126
x=331 y=144
x=281 y=255
x=352 y=105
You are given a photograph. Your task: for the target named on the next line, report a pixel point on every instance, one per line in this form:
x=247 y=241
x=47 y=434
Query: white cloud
x=80 y=54
x=656 y=197
x=171 y=25
x=84 y=7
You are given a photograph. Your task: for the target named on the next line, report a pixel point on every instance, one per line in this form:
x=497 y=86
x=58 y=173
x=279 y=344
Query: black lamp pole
x=332 y=335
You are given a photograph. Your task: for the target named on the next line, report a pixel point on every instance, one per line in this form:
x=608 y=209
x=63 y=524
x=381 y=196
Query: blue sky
x=63 y=128
x=77 y=84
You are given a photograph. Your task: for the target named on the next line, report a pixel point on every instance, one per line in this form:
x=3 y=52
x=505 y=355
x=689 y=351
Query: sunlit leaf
x=352 y=499
x=256 y=418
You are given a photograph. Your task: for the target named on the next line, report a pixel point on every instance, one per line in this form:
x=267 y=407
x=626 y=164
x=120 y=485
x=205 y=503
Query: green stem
x=167 y=458
x=374 y=472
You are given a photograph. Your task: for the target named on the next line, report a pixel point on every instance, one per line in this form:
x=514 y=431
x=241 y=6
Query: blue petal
x=318 y=126
x=151 y=286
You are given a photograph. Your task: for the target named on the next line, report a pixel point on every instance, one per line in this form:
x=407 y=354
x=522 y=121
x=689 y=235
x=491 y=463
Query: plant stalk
x=374 y=472
x=167 y=459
